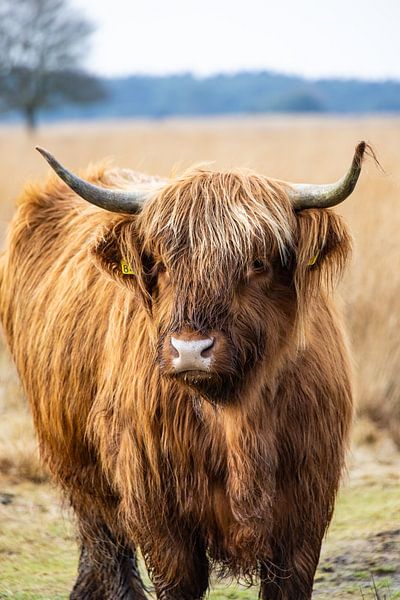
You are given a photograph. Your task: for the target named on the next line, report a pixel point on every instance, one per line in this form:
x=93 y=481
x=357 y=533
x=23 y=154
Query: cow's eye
x=161 y=267
x=259 y=266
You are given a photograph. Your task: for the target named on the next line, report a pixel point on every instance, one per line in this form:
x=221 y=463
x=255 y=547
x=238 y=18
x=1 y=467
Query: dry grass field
x=37 y=549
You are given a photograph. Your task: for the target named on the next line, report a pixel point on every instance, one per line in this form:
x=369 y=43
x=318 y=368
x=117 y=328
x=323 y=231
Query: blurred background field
x=37 y=547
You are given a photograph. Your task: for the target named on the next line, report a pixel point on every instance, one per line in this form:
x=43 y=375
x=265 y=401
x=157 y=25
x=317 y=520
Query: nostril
x=207 y=350
x=174 y=350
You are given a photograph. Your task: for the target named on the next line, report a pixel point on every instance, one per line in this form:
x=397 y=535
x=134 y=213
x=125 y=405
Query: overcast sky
x=309 y=37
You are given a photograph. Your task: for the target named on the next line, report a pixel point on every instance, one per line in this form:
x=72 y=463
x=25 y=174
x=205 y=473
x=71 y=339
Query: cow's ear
x=323 y=246
x=116 y=252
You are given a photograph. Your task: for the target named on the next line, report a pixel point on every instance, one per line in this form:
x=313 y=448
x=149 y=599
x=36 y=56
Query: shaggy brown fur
x=240 y=469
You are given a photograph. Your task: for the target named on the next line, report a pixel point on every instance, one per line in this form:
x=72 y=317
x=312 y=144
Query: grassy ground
x=38 y=551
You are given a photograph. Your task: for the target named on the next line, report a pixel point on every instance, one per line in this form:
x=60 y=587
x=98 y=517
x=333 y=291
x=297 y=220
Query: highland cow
x=186 y=369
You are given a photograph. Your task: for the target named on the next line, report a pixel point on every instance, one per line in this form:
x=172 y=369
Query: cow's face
x=222 y=297
x=212 y=338
x=221 y=262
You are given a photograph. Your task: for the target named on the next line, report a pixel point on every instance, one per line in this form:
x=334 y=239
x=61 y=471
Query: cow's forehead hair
x=218 y=217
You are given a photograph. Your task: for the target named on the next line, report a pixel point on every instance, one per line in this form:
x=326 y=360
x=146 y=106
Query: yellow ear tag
x=126 y=268
x=313 y=260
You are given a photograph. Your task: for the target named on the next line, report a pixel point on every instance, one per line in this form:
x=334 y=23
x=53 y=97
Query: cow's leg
x=87 y=584
x=289 y=575
x=188 y=571
x=107 y=571
x=298 y=532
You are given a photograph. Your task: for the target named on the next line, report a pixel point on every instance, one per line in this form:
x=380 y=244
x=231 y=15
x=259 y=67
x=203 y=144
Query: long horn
x=308 y=195
x=118 y=201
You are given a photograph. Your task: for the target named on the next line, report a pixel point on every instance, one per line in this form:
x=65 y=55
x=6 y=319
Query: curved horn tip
x=41 y=150
x=359 y=152
x=46 y=155
x=328 y=195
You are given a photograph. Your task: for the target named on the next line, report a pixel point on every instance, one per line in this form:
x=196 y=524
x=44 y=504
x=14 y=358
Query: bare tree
x=42 y=44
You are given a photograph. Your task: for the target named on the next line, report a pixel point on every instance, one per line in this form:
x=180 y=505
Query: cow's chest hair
x=234 y=479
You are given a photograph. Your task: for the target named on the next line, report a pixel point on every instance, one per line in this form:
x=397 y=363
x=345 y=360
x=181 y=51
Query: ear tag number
x=313 y=260
x=126 y=268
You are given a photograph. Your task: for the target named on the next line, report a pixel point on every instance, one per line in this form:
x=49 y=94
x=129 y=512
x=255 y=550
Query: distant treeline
x=241 y=93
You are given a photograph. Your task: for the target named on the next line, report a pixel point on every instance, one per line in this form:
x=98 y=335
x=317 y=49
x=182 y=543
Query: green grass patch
x=38 y=550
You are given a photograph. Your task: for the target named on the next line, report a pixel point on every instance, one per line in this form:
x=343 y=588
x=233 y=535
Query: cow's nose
x=192 y=355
